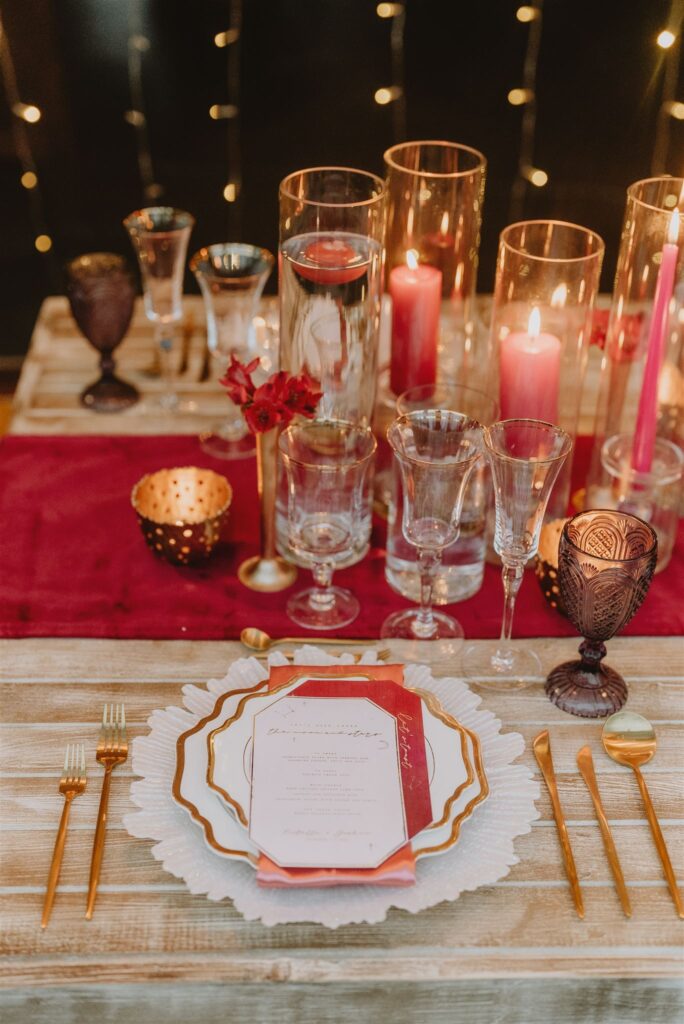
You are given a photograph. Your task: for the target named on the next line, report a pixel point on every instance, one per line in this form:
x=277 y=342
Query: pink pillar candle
x=416 y=292
x=647 y=415
x=529 y=372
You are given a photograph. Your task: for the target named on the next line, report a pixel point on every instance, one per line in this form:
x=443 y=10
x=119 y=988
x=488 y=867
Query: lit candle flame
x=673 y=230
x=444 y=226
x=412 y=259
x=559 y=296
x=534 y=323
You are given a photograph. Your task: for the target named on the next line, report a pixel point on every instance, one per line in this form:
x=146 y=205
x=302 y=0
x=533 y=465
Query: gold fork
x=71 y=784
x=112 y=749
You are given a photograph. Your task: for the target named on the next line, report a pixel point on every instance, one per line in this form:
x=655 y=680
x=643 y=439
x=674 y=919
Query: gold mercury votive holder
x=546 y=563
x=181 y=511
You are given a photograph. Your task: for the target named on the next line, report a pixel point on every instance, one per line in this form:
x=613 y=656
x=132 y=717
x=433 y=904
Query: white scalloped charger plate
x=483 y=854
x=457 y=781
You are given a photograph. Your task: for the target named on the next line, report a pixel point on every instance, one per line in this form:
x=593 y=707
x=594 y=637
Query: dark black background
x=309 y=72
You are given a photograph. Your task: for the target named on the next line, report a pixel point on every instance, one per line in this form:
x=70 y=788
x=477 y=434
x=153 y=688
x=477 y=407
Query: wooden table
x=512 y=952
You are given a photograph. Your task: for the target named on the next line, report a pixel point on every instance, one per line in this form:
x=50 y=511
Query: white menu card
x=326 y=783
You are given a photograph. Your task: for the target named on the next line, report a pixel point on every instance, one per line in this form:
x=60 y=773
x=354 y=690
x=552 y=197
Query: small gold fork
x=112 y=749
x=71 y=784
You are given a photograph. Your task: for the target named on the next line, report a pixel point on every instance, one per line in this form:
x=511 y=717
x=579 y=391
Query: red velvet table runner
x=74 y=562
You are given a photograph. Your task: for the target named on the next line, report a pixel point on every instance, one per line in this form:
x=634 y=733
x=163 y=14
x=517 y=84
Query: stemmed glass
x=160 y=238
x=327 y=464
x=437 y=450
x=606 y=561
x=526 y=457
x=101 y=295
x=231 y=277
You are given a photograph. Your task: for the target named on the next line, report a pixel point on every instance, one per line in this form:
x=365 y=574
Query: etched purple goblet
x=606 y=561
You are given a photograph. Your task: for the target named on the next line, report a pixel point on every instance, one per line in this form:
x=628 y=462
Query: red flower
x=238 y=380
x=300 y=395
x=273 y=403
x=262 y=415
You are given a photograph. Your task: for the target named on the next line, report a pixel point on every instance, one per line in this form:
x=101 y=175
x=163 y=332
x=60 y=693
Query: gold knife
x=585 y=763
x=542 y=752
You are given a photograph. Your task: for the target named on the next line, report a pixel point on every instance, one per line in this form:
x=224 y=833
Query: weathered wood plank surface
x=149 y=927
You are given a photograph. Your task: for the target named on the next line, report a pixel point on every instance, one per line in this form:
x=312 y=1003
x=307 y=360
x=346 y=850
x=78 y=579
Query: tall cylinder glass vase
x=435 y=192
x=547 y=279
x=267 y=572
x=332 y=222
x=640 y=409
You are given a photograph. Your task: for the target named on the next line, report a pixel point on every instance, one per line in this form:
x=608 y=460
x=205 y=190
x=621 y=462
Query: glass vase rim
x=650 y=206
x=307 y=424
x=635 y=476
x=473 y=424
x=522 y=421
x=622 y=515
x=597 y=254
x=204 y=253
x=131 y=221
x=449 y=386
x=357 y=203
x=388 y=157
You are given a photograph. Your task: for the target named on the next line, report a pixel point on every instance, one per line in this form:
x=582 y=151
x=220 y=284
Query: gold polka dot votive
x=181 y=511
x=546 y=563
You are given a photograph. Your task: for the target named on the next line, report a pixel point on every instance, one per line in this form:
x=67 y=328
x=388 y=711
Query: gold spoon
x=257 y=640
x=630 y=740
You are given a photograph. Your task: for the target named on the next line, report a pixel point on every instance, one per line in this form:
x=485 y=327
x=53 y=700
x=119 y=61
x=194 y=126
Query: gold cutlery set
x=629 y=739
x=112 y=750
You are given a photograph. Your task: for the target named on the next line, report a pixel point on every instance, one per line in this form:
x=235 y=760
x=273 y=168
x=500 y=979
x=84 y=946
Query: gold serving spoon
x=258 y=640
x=630 y=740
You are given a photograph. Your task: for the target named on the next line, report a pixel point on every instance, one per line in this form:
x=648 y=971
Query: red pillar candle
x=416 y=292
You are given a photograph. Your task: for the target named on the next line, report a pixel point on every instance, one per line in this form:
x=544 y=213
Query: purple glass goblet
x=606 y=561
x=101 y=295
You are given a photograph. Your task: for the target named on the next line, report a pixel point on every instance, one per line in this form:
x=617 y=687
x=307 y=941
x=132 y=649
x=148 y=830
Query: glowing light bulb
x=536 y=176
x=222 y=39
x=675 y=109
x=27 y=112
x=29 y=179
x=387 y=94
x=517 y=97
x=665 y=39
x=43 y=243
x=223 y=111
x=526 y=13
x=389 y=10
x=135 y=117
x=230 y=192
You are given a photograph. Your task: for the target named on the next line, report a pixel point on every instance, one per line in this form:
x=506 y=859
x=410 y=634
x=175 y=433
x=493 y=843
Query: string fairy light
x=139 y=44
x=525 y=96
x=670 y=108
x=231 y=39
x=25 y=116
x=394 y=94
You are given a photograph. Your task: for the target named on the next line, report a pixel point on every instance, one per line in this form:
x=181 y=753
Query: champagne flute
x=526 y=457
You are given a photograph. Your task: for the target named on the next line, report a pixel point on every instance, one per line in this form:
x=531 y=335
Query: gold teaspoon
x=258 y=640
x=630 y=740
x=585 y=763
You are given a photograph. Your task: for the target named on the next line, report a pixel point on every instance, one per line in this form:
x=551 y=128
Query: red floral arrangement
x=275 y=402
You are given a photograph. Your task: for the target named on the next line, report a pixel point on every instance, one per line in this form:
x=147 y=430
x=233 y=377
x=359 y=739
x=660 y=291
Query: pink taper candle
x=530 y=373
x=416 y=292
x=647 y=416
